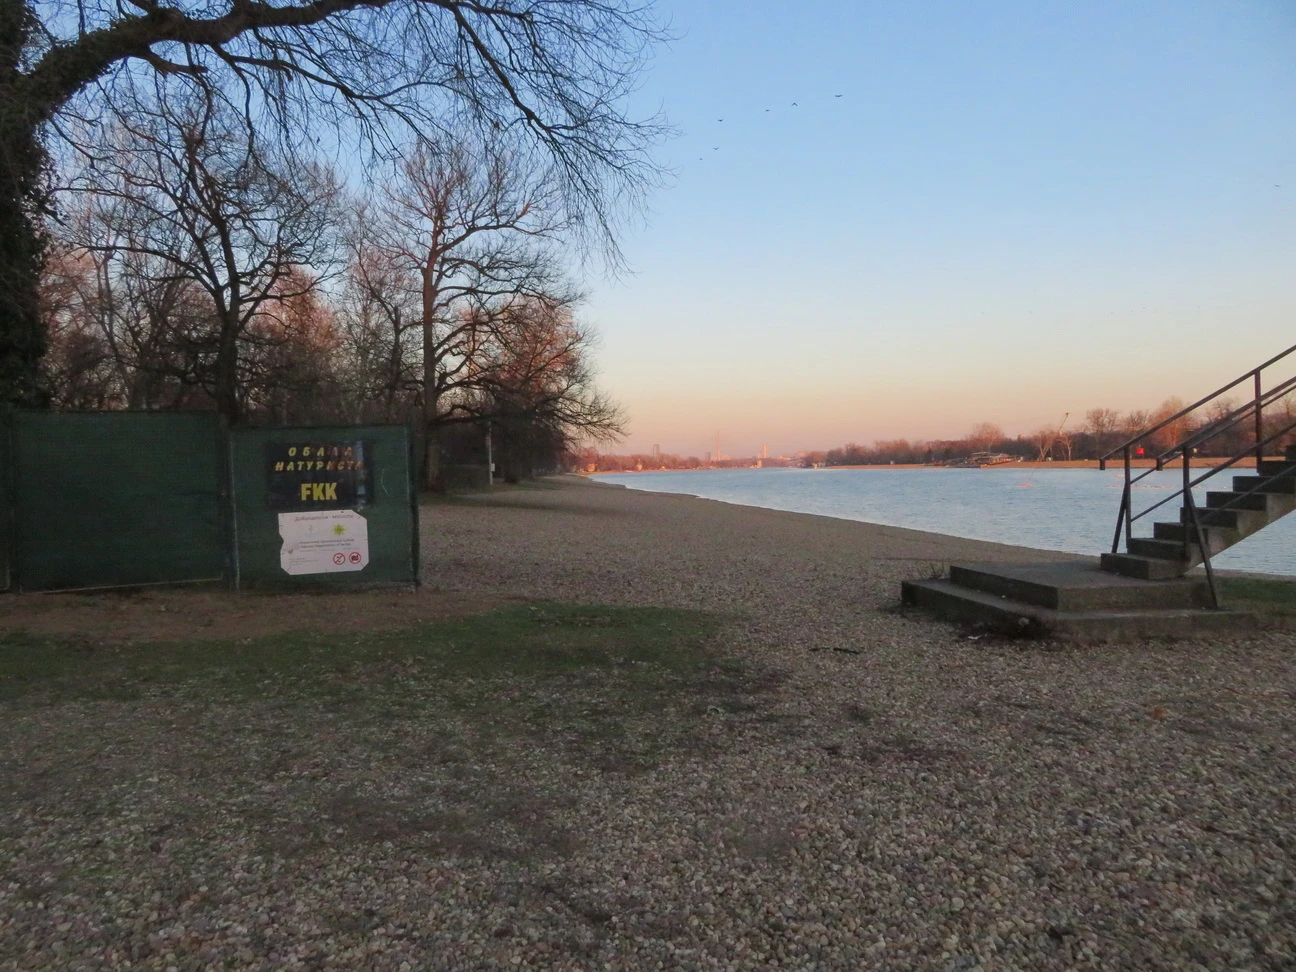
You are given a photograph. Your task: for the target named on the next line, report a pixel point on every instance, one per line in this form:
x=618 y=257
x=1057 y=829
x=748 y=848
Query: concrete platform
x=1072 y=599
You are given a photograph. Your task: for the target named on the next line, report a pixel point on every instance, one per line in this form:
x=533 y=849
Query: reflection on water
x=1052 y=509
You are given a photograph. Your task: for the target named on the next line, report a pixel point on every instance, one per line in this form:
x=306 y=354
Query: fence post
x=415 y=481
x=8 y=514
x=228 y=504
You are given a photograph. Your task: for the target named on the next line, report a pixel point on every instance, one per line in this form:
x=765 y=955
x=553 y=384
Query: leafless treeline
x=197 y=266
x=1101 y=430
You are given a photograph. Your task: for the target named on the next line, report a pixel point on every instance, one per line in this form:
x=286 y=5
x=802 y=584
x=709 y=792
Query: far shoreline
x=1205 y=463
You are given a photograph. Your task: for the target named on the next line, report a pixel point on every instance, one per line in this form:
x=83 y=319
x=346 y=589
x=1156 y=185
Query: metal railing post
x=1129 y=522
x=1259 y=423
x=1199 y=532
x=1120 y=520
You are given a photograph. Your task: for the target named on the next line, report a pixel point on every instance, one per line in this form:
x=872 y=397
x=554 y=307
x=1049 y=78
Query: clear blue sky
x=1014 y=210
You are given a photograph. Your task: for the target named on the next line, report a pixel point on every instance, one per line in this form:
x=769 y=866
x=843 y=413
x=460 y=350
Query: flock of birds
x=716 y=148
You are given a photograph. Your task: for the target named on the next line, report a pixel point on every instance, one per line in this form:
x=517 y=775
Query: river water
x=1051 y=509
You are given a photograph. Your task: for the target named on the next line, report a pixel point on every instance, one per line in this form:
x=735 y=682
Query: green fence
x=106 y=499
x=6 y=503
x=115 y=499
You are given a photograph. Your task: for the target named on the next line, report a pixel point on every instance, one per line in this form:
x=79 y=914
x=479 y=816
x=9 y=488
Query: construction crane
x=1046 y=447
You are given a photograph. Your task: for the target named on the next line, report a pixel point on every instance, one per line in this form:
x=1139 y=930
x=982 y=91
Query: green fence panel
x=324 y=506
x=6 y=500
x=117 y=498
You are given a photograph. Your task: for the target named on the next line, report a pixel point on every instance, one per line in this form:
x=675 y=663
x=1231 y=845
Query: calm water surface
x=1052 y=509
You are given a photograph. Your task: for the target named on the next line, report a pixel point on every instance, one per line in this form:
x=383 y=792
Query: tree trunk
x=431 y=437
x=22 y=238
x=431 y=391
x=226 y=391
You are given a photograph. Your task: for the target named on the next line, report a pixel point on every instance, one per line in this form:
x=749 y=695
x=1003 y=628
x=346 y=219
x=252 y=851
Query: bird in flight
x=719 y=119
x=836 y=96
x=794 y=104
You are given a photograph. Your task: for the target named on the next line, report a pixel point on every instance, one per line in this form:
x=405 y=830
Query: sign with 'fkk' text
x=319 y=475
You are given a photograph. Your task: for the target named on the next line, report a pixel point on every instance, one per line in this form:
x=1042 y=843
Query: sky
x=1013 y=211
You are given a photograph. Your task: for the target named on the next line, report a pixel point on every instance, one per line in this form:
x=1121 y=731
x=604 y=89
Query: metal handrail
x=1126 y=516
x=1185 y=447
x=1226 y=422
x=1213 y=470
x=1253 y=373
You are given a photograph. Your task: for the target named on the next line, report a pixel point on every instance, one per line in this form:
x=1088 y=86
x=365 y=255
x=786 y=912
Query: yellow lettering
x=331 y=465
x=330 y=491
x=305 y=491
x=317 y=492
x=292 y=451
x=279 y=467
x=306 y=450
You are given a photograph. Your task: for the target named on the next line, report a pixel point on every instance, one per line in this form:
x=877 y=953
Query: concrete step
x=1219 y=537
x=1264 y=484
x=1240 y=501
x=1165 y=549
x=1276 y=467
x=1245 y=522
x=955 y=603
x=1077 y=585
x=1144 y=568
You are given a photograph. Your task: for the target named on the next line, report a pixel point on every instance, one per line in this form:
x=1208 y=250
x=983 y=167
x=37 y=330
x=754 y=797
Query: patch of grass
x=615 y=690
x=465 y=495
x=1262 y=589
x=1274 y=599
x=531 y=641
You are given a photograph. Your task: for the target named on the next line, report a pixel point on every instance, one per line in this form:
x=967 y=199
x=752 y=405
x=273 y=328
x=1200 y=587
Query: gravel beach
x=877 y=790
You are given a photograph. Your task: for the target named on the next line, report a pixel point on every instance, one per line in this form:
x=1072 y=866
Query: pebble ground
x=884 y=792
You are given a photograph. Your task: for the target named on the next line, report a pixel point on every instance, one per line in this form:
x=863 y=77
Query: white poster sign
x=323 y=542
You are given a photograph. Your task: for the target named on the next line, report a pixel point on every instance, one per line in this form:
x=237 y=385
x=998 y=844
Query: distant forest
x=1101 y=430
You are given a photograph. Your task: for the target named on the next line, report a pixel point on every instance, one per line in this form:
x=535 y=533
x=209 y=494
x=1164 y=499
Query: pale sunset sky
x=1015 y=209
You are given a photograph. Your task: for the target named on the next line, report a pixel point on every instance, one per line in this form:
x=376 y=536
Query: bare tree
x=984 y=435
x=550 y=75
x=541 y=392
x=381 y=326
x=1176 y=430
x=185 y=192
x=290 y=369
x=78 y=368
x=1102 y=424
x=1066 y=439
x=475 y=224
x=1044 y=439
x=1135 y=421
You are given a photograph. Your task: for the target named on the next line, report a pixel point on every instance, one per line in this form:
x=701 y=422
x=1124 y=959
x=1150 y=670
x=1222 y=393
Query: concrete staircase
x=1138 y=594
x=1253 y=503
x=1073 y=599
x=1144 y=592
